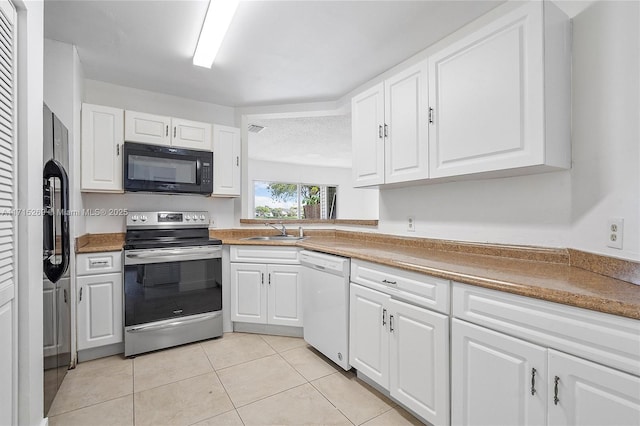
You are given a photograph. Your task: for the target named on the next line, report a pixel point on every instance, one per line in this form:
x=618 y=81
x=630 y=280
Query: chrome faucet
x=283 y=230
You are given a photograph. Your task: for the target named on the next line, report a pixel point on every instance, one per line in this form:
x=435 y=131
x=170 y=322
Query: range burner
x=168 y=229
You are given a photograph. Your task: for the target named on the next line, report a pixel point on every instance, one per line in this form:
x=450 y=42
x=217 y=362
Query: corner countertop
x=536 y=272
x=542 y=273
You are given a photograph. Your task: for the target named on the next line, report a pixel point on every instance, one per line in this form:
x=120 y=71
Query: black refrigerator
x=56 y=255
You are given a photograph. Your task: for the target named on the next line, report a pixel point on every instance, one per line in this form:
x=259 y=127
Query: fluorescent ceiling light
x=216 y=23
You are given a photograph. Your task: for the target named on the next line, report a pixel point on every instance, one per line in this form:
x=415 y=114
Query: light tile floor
x=240 y=379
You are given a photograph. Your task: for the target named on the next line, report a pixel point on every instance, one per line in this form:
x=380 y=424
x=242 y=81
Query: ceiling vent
x=254 y=128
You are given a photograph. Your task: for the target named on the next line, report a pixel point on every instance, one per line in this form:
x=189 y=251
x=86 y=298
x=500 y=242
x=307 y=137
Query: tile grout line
x=223 y=386
x=90 y=405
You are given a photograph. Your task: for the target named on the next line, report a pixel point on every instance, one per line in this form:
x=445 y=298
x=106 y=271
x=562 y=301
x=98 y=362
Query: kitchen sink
x=274 y=238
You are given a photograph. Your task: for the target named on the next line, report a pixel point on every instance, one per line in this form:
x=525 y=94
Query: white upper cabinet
x=406 y=133
x=500 y=97
x=160 y=130
x=191 y=134
x=495 y=102
x=390 y=133
x=226 y=161
x=102 y=139
x=147 y=128
x=367 y=121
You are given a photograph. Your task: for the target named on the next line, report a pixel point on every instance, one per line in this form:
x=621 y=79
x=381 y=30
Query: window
x=281 y=200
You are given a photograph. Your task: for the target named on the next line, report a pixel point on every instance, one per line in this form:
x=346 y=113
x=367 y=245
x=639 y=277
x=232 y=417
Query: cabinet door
x=493 y=381
x=405 y=113
x=102 y=139
x=486 y=92
x=226 y=160
x=191 y=134
x=99 y=310
x=369 y=336
x=248 y=294
x=146 y=128
x=589 y=394
x=285 y=295
x=367 y=120
x=419 y=360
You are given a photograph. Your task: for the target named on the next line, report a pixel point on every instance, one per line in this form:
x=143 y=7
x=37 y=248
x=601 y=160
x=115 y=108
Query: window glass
x=285 y=200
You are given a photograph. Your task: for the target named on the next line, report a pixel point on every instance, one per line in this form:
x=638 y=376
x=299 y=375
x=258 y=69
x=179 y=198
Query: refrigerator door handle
x=54 y=169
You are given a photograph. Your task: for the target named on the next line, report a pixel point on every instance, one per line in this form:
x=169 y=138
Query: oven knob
x=143 y=218
x=187 y=217
x=134 y=218
x=202 y=217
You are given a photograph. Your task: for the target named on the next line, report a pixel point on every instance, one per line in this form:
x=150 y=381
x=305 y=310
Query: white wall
x=561 y=209
x=220 y=209
x=101 y=93
x=606 y=135
x=352 y=203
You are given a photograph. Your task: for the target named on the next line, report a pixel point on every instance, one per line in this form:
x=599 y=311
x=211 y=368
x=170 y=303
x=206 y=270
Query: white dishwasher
x=325 y=304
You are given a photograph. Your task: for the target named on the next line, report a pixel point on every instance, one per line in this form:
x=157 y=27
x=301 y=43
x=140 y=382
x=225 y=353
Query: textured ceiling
x=314 y=141
x=275 y=52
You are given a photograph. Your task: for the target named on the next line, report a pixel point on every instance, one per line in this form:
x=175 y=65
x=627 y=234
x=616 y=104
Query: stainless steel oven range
x=172 y=281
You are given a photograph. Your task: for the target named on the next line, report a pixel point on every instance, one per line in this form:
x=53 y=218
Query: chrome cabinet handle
x=262 y=278
x=64 y=294
x=430 y=115
x=174 y=131
x=166 y=133
x=98 y=262
x=269 y=279
x=237 y=161
x=386 y=131
x=80 y=295
x=391 y=329
x=533 y=381
x=384 y=317
x=118 y=149
x=555 y=390
x=380 y=131
x=389 y=282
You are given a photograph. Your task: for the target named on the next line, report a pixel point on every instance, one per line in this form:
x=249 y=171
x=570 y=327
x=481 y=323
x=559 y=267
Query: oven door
x=151 y=168
x=163 y=284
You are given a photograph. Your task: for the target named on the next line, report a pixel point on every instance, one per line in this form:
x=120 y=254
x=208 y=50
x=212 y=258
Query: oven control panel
x=167 y=219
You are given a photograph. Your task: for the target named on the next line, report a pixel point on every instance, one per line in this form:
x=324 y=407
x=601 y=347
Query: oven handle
x=171 y=256
x=170 y=323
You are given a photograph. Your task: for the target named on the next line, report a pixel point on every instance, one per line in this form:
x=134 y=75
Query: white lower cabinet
x=590 y=394
x=99 y=310
x=498 y=379
x=266 y=293
x=404 y=348
x=99 y=300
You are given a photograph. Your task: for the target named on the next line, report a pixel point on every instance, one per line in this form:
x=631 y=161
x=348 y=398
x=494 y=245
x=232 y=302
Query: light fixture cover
x=216 y=23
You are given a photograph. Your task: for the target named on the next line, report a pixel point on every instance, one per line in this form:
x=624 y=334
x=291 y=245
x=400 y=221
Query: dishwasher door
x=325 y=304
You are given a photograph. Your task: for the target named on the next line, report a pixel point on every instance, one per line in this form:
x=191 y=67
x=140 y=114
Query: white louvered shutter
x=8 y=327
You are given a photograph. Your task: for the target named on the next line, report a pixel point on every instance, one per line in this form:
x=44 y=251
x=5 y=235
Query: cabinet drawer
x=262 y=254
x=599 y=337
x=99 y=263
x=424 y=290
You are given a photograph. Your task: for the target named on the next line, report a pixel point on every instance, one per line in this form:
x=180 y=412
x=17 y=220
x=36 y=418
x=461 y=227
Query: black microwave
x=155 y=168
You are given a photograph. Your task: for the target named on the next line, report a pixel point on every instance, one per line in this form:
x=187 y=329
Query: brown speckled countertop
x=564 y=276
x=96 y=243
x=536 y=272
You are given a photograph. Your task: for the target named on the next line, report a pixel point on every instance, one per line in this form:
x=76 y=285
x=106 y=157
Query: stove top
x=147 y=230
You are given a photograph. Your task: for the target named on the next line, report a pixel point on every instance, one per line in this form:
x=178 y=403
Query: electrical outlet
x=615 y=232
x=411 y=224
